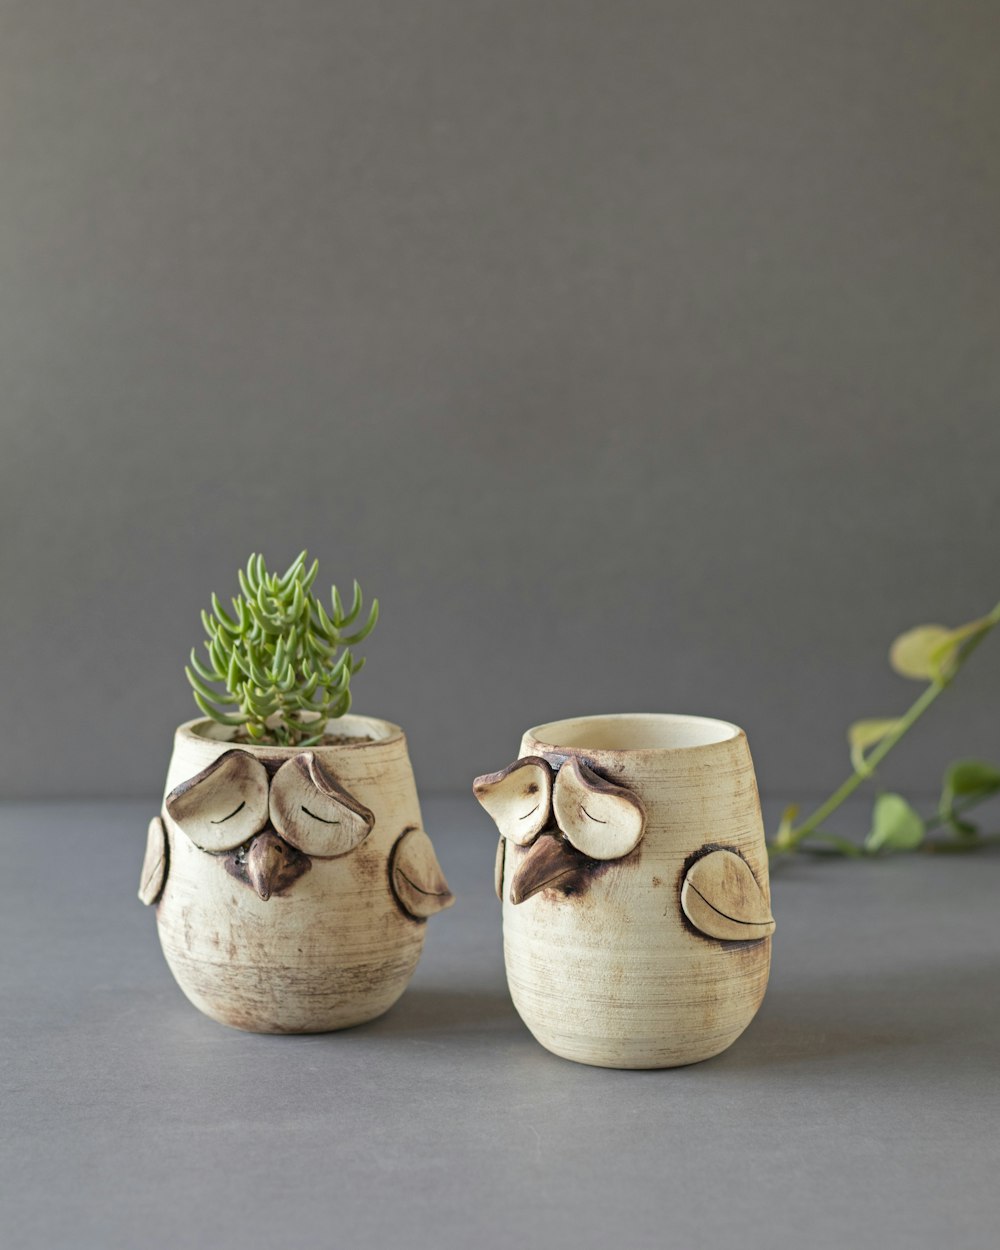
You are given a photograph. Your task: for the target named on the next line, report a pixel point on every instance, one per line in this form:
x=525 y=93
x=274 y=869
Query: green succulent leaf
x=366 y=629
x=281 y=663
x=211 y=710
x=319 y=647
x=896 y=826
x=204 y=673
x=292 y=572
x=224 y=618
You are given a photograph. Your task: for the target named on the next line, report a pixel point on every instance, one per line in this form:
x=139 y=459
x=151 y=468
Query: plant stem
x=844 y=791
x=793 y=837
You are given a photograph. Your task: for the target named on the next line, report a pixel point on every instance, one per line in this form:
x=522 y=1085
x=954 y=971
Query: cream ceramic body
x=334 y=949
x=614 y=973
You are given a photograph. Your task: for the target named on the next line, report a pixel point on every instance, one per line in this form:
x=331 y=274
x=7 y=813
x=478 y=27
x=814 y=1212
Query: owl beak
x=549 y=861
x=267 y=863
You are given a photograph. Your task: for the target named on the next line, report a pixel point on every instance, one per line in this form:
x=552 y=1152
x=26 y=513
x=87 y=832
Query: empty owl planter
x=292 y=886
x=632 y=870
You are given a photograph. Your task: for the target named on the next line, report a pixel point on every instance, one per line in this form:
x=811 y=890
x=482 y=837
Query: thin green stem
x=791 y=838
x=844 y=791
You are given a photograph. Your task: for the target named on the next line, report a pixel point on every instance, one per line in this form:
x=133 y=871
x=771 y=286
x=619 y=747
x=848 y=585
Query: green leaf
x=351 y=616
x=204 y=673
x=204 y=690
x=292 y=570
x=931 y=652
x=264 y=623
x=967 y=777
x=895 y=825
x=352 y=639
x=327 y=627
x=920 y=652
x=212 y=711
x=224 y=618
x=298 y=601
x=867 y=733
x=966 y=783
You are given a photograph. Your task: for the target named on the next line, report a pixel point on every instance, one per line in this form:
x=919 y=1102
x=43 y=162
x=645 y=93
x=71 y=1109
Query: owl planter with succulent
x=289 y=868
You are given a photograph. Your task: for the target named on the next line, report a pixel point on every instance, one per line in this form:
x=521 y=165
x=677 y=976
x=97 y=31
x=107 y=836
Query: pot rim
x=383 y=733
x=552 y=736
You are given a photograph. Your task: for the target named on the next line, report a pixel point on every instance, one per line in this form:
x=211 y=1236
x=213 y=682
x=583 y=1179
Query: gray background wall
x=637 y=355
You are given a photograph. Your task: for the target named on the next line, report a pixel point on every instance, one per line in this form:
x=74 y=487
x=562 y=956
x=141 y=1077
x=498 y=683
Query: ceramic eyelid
x=223 y=805
x=518 y=797
x=313 y=813
x=600 y=819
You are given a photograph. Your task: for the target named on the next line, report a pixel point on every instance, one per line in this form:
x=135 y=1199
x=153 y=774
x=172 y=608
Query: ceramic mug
x=632 y=869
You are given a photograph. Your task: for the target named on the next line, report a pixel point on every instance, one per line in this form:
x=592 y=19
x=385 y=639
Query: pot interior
x=635 y=731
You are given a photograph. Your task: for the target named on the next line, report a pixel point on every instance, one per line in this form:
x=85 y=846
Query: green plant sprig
x=932 y=653
x=283 y=662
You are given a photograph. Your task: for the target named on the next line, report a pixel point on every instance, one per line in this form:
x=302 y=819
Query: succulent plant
x=284 y=664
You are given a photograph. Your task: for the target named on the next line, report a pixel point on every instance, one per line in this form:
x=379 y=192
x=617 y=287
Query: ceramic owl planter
x=632 y=869
x=292 y=886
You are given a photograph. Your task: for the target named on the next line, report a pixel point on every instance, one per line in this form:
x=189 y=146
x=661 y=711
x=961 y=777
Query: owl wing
x=153 y=877
x=416 y=877
x=722 y=899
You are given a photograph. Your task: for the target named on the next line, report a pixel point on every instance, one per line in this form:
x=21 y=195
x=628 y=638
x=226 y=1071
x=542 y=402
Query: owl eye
x=312 y=812
x=225 y=804
x=602 y=820
x=519 y=798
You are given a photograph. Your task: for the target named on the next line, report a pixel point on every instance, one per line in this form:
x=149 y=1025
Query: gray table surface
x=860 y=1108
